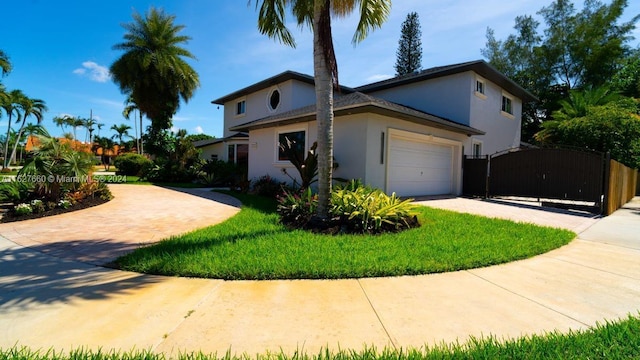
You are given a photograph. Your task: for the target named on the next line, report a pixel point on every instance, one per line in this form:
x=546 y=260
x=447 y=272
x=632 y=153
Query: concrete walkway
x=48 y=299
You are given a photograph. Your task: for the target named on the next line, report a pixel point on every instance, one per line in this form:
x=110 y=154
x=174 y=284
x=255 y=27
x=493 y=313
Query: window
x=507 y=105
x=274 y=99
x=241 y=107
x=297 y=141
x=479 y=87
x=477 y=150
x=231 y=158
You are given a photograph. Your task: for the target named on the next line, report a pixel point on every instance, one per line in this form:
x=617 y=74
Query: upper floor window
x=480 y=88
x=477 y=149
x=273 y=100
x=241 y=107
x=507 y=105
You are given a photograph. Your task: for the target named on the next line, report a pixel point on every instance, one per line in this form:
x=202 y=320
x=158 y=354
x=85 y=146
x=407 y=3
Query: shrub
x=267 y=186
x=16 y=191
x=23 y=209
x=64 y=204
x=354 y=209
x=367 y=210
x=296 y=209
x=130 y=164
x=219 y=173
x=37 y=206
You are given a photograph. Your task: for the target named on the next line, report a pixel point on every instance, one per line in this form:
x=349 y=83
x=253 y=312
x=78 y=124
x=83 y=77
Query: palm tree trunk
x=18 y=137
x=141 y=132
x=6 y=143
x=135 y=125
x=324 y=110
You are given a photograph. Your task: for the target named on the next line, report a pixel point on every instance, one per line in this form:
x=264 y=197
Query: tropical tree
x=409 y=53
x=30 y=107
x=152 y=71
x=129 y=108
x=122 y=131
x=5 y=64
x=11 y=104
x=75 y=123
x=89 y=125
x=317 y=16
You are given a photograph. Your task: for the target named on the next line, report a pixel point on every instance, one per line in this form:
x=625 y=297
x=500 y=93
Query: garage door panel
x=419 y=167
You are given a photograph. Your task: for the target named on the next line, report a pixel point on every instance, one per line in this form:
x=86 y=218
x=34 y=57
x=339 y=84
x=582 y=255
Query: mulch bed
x=10 y=216
x=338 y=226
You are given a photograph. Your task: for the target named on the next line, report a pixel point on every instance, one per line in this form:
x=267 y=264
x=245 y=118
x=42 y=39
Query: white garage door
x=418 y=166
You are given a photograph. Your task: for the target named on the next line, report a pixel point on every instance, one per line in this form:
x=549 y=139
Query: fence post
x=607 y=174
x=486 y=178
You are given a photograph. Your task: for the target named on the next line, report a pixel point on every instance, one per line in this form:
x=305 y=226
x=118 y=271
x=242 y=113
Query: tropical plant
x=152 y=71
x=267 y=186
x=129 y=108
x=17 y=191
x=307 y=167
x=5 y=64
x=122 y=131
x=60 y=121
x=106 y=144
x=317 y=16
x=11 y=104
x=89 y=125
x=409 y=53
x=131 y=164
x=29 y=107
x=56 y=167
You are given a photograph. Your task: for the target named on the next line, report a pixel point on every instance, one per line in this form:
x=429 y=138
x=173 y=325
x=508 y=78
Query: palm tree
x=317 y=15
x=152 y=71
x=100 y=126
x=30 y=107
x=5 y=64
x=60 y=121
x=121 y=130
x=89 y=123
x=130 y=107
x=75 y=123
x=11 y=105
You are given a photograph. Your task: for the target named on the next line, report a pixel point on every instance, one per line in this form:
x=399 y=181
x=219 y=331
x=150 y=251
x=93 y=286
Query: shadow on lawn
x=28 y=278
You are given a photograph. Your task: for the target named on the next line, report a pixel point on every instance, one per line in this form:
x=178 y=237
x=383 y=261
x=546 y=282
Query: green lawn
x=253 y=245
x=135 y=180
x=613 y=340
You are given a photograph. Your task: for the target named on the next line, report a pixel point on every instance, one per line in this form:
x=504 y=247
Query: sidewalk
x=48 y=302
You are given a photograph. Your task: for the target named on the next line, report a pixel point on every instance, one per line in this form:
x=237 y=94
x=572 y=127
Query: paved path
x=47 y=301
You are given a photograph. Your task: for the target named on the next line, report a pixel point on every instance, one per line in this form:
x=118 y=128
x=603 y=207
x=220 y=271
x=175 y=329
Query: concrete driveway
x=53 y=296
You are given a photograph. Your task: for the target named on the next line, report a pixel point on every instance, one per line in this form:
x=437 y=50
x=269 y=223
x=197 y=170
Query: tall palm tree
x=30 y=107
x=89 y=124
x=129 y=108
x=317 y=16
x=11 y=105
x=5 y=64
x=122 y=131
x=152 y=71
x=75 y=123
x=60 y=121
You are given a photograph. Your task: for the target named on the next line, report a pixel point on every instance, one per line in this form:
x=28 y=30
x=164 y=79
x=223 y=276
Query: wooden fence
x=621 y=186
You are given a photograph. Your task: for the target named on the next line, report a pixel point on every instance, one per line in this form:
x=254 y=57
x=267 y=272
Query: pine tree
x=409 y=53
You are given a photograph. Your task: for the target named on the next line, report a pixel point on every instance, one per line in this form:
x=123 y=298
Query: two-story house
x=405 y=135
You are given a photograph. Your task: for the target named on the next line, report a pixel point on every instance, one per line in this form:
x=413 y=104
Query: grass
x=135 y=180
x=611 y=340
x=253 y=245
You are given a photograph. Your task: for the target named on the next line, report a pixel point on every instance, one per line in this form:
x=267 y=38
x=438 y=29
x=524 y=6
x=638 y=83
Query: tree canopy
x=153 y=70
x=575 y=50
x=409 y=53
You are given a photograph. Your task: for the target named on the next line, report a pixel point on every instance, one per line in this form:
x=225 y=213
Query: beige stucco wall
x=357 y=148
x=293 y=94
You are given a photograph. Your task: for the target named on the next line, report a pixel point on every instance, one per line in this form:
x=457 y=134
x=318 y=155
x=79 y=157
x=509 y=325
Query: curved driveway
x=53 y=295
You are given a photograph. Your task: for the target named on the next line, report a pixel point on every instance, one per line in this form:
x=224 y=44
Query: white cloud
x=198 y=129
x=94 y=71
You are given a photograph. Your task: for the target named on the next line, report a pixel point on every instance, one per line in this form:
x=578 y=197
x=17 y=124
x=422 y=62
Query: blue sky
x=61 y=50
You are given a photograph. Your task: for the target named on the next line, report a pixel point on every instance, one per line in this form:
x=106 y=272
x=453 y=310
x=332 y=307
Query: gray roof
x=480 y=67
x=202 y=143
x=272 y=81
x=360 y=103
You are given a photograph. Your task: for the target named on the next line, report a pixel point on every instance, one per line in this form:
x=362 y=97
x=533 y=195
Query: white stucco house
x=405 y=135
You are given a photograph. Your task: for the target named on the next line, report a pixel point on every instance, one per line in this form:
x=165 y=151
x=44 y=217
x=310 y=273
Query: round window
x=274 y=99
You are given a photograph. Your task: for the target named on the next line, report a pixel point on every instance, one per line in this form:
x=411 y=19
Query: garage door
x=418 y=166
